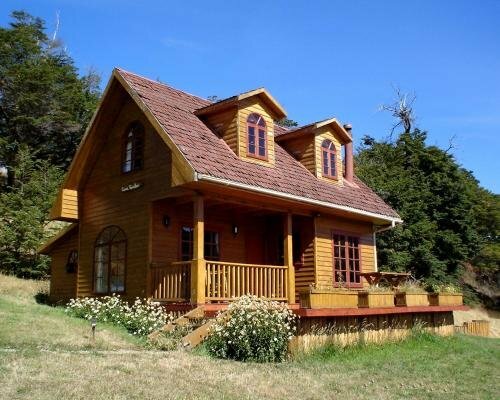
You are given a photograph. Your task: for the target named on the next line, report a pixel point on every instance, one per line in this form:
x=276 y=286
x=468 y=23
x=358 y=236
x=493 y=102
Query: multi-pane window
x=109 y=261
x=257 y=137
x=329 y=160
x=212 y=244
x=133 y=148
x=346 y=260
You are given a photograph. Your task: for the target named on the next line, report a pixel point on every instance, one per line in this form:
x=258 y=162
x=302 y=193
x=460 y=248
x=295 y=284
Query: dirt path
x=480 y=313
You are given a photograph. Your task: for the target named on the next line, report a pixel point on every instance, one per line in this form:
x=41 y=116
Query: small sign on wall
x=131 y=186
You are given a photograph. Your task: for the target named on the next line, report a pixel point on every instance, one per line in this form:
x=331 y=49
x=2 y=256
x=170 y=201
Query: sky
x=319 y=59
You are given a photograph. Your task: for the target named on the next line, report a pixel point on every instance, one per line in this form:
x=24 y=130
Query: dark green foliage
x=442 y=205
x=23 y=216
x=287 y=123
x=44 y=104
x=44 y=109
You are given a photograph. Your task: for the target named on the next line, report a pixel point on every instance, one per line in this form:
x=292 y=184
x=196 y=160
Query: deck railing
x=171 y=281
x=227 y=280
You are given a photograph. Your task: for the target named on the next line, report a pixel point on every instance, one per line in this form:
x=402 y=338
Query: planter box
x=405 y=299
x=375 y=299
x=316 y=298
x=445 y=299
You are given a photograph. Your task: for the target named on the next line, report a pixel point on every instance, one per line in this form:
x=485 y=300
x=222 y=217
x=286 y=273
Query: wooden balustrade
x=171 y=281
x=227 y=280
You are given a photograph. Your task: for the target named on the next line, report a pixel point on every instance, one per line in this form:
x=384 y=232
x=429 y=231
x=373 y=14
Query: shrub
x=252 y=329
x=141 y=318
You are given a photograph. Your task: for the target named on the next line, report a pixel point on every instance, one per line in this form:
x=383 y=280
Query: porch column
x=198 y=262
x=288 y=253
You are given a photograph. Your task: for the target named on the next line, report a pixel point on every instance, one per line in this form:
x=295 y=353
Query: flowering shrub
x=252 y=329
x=141 y=318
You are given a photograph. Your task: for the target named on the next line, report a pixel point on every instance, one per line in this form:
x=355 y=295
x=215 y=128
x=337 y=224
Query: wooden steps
x=193 y=339
x=191 y=317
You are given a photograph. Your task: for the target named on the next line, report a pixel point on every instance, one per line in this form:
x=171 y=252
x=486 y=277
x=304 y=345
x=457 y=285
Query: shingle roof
x=210 y=155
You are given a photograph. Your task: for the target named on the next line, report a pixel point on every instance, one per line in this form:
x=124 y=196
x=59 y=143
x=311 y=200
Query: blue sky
x=318 y=58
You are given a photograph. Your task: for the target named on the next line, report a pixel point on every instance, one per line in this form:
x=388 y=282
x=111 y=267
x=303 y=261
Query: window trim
x=257 y=127
x=218 y=231
x=331 y=152
x=358 y=236
x=125 y=260
x=135 y=154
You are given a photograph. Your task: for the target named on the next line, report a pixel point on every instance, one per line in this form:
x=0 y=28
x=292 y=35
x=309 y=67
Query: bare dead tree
x=402 y=110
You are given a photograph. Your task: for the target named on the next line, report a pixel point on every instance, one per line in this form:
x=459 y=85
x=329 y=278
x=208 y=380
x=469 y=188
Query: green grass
x=45 y=354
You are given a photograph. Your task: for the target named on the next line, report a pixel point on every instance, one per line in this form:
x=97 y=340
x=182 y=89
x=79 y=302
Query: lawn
x=45 y=354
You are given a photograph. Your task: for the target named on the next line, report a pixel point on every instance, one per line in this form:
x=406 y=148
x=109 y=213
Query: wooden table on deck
x=394 y=279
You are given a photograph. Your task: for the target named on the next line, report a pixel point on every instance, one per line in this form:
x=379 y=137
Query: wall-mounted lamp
x=166 y=221
x=235 y=229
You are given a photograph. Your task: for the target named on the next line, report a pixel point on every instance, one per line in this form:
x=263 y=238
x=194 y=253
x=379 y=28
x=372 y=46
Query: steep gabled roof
x=276 y=108
x=310 y=128
x=212 y=160
x=47 y=247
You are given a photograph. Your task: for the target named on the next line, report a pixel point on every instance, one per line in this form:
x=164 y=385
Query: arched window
x=133 y=148
x=109 y=261
x=329 y=161
x=256 y=136
x=72 y=262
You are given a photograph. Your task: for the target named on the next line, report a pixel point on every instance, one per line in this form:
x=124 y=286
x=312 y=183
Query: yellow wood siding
x=322 y=134
x=62 y=283
x=304 y=275
x=103 y=203
x=66 y=206
x=323 y=247
x=303 y=150
x=247 y=107
x=225 y=125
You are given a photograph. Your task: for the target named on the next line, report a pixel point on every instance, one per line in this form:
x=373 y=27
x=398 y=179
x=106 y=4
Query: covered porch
x=206 y=249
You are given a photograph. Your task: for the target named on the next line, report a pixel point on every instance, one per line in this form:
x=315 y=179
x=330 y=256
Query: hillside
x=44 y=354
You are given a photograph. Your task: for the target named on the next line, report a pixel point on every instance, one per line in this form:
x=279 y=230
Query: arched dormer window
x=110 y=252
x=329 y=160
x=256 y=136
x=133 y=148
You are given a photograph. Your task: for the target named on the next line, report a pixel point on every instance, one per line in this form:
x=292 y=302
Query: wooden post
x=198 y=262
x=288 y=253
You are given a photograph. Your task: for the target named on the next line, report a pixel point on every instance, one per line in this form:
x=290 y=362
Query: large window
x=256 y=136
x=346 y=260
x=329 y=160
x=212 y=244
x=133 y=148
x=109 y=261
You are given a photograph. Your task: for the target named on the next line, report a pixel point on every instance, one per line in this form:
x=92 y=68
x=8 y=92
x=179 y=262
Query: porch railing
x=171 y=281
x=227 y=280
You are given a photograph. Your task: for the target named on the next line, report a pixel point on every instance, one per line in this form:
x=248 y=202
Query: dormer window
x=329 y=161
x=133 y=148
x=256 y=136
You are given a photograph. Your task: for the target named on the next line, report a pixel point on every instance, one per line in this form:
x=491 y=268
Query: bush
x=252 y=329
x=141 y=318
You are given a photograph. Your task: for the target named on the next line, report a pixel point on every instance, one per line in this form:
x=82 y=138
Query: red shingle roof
x=210 y=155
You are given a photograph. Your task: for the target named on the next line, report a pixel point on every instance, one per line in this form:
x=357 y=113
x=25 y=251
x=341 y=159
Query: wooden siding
x=302 y=148
x=103 y=203
x=324 y=226
x=247 y=107
x=66 y=206
x=225 y=125
x=304 y=275
x=62 y=283
x=322 y=134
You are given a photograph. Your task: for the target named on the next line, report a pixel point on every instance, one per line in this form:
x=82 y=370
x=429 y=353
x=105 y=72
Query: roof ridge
x=163 y=84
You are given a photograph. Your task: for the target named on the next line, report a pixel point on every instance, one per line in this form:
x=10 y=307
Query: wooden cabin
x=194 y=203
x=173 y=197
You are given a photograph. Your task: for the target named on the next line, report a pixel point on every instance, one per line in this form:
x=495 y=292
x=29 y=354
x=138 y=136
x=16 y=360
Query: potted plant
x=328 y=296
x=445 y=295
x=376 y=296
x=411 y=294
